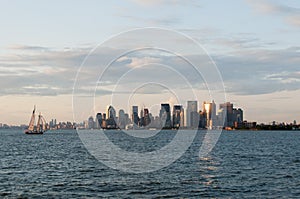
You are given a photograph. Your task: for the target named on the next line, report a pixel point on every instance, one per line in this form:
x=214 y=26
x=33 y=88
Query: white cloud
x=136 y=61
x=155 y=21
x=293 y=20
x=291 y=14
x=263 y=6
x=268 y=7
x=249 y=71
x=285 y=77
x=26 y=47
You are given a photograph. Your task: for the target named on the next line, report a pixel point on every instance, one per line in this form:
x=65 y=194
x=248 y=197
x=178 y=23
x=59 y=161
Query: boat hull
x=33 y=132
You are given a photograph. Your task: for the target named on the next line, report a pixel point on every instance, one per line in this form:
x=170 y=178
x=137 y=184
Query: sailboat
x=40 y=127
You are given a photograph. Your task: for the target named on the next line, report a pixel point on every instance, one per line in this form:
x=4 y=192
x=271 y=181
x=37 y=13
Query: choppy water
x=243 y=164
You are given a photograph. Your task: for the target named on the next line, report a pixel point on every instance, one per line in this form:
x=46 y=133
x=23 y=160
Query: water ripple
x=243 y=164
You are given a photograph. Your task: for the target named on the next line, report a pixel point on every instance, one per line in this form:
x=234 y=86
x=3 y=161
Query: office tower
x=237 y=117
x=146 y=117
x=202 y=119
x=111 y=113
x=135 y=115
x=209 y=109
x=111 y=118
x=221 y=117
x=51 y=124
x=91 y=122
x=127 y=120
x=182 y=117
x=192 y=118
x=228 y=110
x=103 y=125
x=141 y=123
x=122 y=119
x=178 y=116
x=99 y=120
x=165 y=116
x=195 y=119
x=240 y=115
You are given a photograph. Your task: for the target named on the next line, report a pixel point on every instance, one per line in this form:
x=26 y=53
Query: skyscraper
x=195 y=119
x=221 y=117
x=91 y=122
x=122 y=119
x=99 y=120
x=191 y=114
x=141 y=123
x=127 y=120
x=178 y=116
x=202 y=120
x=228 y=110
x=135 y=115
x=111 y=118
x=165 y=115
x=238 y=116
x=209 y=109
x=182 y=117
x=111 y=113
x=146 y=117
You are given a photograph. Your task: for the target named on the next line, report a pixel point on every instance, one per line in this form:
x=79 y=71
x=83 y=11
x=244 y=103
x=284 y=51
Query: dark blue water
x=243 y=164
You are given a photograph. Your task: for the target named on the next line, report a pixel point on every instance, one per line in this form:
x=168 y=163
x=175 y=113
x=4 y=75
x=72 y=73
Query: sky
x=53 y=50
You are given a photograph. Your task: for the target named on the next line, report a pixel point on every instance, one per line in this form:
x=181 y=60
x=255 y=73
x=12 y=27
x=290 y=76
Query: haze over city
x=257 y=54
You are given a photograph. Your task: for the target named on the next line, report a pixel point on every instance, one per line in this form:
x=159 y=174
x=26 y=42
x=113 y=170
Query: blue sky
x=255 y=44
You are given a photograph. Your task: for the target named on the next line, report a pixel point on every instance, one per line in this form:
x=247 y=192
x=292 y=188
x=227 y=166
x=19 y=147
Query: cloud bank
x=52 y=72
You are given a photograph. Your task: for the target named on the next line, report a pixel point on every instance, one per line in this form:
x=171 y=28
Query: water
x=243 y=164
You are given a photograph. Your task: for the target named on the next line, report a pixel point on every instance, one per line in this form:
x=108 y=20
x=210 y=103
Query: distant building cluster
x=54 y=125
x=226 y=116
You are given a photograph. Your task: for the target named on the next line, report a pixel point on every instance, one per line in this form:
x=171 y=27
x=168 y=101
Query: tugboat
x=40 y=127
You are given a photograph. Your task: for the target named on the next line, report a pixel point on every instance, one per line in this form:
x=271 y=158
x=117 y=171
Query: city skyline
x=209 y=117
x=255 y=46
x=206 y=107
x=170 y=116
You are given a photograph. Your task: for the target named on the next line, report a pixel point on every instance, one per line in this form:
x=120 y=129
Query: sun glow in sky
x=255 y=44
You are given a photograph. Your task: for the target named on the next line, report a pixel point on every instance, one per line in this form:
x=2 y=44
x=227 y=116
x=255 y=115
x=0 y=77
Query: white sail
x=38 y=125
x=44 y=123
x=31 y=123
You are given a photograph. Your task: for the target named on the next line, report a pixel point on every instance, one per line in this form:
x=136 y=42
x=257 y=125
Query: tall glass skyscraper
x=135 y=115
x=191 y=114
x=111 y=113
x=99 y=120
x=228 y=110
x=146 y=117
x=122 y=119
x=209 y=109
x=165 y=116
x=111 y=118
x=178 y=116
